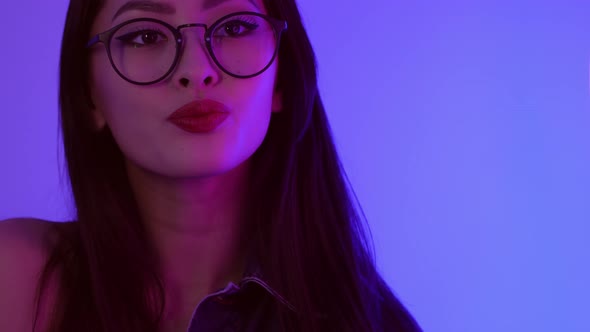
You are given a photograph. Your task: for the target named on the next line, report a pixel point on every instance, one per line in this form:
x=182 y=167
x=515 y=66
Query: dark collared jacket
x=249 y=306
x=252 y=305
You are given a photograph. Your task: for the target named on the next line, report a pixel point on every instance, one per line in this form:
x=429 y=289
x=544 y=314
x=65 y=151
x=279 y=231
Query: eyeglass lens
x=144 y=51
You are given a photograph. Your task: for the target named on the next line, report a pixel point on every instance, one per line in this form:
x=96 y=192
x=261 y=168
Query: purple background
x=463 y=125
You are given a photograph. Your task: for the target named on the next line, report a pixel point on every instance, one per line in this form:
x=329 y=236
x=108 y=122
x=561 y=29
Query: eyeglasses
x=145 y=50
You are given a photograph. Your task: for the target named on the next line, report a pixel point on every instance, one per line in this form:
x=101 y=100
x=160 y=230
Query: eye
x=235 y=28
x=143 y=38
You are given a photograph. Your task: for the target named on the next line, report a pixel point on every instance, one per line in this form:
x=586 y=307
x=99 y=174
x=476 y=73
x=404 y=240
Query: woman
x=208 y=191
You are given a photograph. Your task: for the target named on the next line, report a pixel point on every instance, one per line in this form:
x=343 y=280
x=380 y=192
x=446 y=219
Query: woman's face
x=138 y=115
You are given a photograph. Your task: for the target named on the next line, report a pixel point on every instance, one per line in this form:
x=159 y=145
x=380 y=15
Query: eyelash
x=144 y=29
x=244 y=19
x=129 y=36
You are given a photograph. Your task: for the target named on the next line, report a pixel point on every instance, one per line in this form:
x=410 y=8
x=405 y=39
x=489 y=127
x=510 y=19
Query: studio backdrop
x=464 y=127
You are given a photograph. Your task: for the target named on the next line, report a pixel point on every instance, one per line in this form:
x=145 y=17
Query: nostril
x=185 y=82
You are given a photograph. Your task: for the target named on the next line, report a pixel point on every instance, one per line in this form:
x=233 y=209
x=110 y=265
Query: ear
x=98 y=118
x=277 y=101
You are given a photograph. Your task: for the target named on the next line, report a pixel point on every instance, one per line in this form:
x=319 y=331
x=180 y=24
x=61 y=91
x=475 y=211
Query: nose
x=195 y=68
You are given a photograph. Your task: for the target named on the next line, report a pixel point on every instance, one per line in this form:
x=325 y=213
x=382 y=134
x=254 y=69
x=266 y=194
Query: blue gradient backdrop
x=464 y=128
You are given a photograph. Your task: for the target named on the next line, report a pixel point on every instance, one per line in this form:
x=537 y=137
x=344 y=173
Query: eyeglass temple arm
x=93 y=41
x=280 y=25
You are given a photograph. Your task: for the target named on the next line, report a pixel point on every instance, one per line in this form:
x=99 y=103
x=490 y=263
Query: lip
x=200 y=116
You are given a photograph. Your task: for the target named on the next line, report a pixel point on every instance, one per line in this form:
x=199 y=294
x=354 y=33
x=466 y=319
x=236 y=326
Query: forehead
x=180 y=8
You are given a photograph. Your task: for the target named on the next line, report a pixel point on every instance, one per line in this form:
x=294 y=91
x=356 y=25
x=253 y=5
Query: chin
x=206 y=168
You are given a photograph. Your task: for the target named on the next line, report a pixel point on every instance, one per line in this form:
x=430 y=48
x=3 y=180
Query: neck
x=196 y=231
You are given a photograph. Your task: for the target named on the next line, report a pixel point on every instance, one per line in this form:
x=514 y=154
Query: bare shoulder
x=24 y=247
x=24 y=228
x=25 y=242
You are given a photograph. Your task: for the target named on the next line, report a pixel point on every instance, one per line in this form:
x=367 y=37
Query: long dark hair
x=307 y=229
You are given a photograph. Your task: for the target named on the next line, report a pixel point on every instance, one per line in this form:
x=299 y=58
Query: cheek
x=102 y=83
x=120 y=105
x=256 y=100
x=257 y=92
x=111 y=94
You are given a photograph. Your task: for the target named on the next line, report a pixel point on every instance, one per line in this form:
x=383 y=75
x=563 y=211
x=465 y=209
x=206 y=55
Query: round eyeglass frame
x=105 y=38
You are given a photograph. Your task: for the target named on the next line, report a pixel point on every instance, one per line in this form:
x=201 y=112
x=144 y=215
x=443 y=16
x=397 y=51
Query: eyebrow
x=165 y=8
x=208 y=4
x=145 y=5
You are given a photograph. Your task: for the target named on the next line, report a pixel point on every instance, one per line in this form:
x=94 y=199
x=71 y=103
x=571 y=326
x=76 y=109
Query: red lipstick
x=200 y=116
